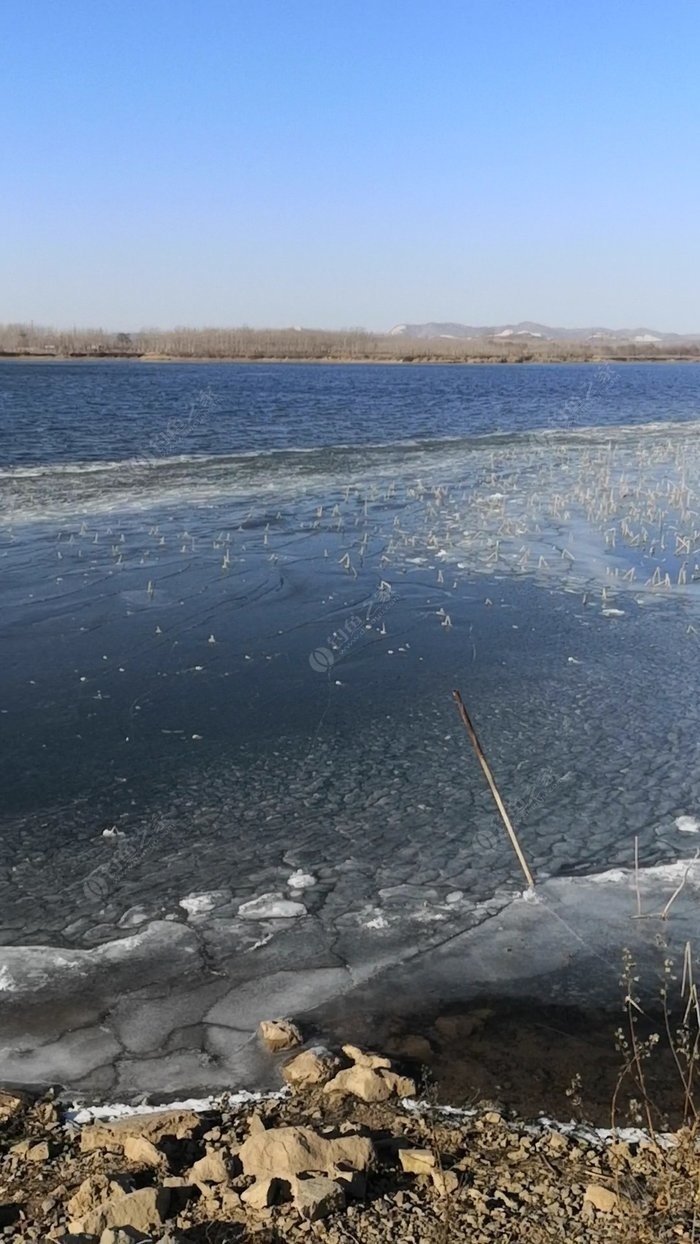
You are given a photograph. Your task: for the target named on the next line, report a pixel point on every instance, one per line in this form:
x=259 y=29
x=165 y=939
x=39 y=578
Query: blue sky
x=335 y=164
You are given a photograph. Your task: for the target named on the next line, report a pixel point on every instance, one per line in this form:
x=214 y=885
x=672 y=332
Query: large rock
x=92 y=1192
x=317 y=1197
x=280 y=1034
x=141 y=1210
x=369 y=1085
x=289 y=1151
x=310 y=1068
x=32 y=1150
x=111 y=1135
x=360 y=1082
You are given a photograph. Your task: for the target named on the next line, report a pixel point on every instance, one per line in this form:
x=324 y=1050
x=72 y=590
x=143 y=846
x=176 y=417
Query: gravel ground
x=488 y=1177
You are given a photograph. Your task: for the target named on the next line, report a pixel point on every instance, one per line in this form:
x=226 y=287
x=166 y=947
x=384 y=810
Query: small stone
x=230 y=1200
x=280 y=1034
x=317 y=1197
x=417 y=1161
x=446 y=1182
x=39 y=1152
x=262 y=1194
x=310 y=1068
x=211 y=1169
x=602 y=1199
x=557 y=1143
x=403 y=1086
x=364 y=1059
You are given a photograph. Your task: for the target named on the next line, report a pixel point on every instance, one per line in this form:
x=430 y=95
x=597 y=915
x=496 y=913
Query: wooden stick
x=492 y=786
x=636 y=875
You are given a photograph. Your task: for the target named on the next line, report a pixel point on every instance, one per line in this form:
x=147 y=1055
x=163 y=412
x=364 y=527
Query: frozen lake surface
x=236 y=601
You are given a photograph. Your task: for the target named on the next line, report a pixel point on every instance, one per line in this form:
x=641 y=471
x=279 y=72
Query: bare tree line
x=354 y=345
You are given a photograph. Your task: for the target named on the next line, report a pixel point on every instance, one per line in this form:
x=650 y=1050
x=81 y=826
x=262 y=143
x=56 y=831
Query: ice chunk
x=7 y=983
x=687 y=824
x=25 y=970
x=300 y=880
x=273 y=906
x=198 y=904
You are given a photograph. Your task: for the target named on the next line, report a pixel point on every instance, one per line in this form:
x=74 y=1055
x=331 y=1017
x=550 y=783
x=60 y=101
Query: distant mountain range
x=542 y=332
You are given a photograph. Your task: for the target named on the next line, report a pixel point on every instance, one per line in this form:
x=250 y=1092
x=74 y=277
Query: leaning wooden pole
x=492 y=786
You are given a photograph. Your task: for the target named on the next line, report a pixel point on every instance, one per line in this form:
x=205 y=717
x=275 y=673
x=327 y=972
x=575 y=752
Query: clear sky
x=334 y=163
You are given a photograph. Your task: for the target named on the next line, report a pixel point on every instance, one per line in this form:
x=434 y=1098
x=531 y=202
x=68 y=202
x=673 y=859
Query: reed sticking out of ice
x=493 y=788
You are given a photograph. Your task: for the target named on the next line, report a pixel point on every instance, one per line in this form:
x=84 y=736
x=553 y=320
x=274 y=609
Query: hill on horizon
x=543 y=332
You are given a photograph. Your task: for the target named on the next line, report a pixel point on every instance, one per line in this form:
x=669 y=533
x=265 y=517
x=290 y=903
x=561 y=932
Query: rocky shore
x=353 y=1149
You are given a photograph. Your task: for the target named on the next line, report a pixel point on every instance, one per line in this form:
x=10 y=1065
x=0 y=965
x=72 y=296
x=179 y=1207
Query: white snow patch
x=594 y=1135
x=200 y=1105
x=614 y=876
x=654 y=872
x=688 y=824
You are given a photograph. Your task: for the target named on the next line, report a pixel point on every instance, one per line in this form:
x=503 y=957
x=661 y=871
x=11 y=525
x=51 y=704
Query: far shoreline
x=595 y=360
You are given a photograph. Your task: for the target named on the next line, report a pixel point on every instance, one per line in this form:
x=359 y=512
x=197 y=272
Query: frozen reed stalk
x=473 y=738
